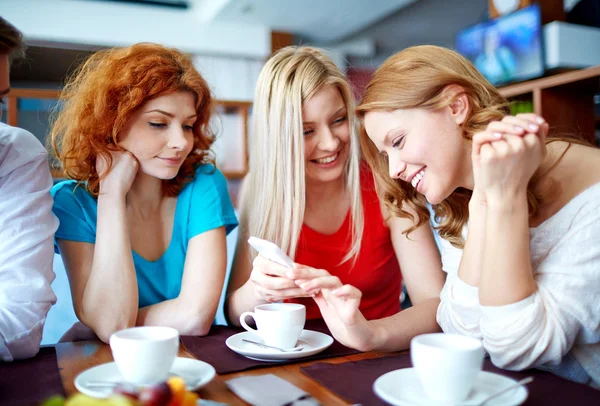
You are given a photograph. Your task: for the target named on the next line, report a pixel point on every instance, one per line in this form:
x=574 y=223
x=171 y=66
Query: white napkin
x=269 y=390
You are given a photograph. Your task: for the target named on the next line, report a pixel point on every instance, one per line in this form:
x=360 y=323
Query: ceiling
x=388 y=25
x=434 y=22
x=319 y=21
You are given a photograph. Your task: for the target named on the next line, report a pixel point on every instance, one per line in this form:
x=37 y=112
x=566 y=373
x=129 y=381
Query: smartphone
x=271 y=251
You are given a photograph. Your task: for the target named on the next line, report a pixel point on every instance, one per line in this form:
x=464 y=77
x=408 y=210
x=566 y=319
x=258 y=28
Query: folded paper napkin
x=269 y=390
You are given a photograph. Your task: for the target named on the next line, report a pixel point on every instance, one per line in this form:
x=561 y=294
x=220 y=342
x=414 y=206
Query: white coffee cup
x=278 y=324
x=144 y=355
x=446 y=364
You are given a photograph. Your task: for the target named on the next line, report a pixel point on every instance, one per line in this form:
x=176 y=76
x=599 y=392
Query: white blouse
x=558 y=327
x=27 y=227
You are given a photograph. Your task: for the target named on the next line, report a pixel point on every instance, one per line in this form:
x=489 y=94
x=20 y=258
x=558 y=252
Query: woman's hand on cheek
x=118 y=178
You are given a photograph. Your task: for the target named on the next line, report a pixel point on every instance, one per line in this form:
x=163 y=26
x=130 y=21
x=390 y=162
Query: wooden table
x=75 y=357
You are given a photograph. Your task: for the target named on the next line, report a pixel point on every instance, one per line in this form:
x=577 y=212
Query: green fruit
x=54 y=401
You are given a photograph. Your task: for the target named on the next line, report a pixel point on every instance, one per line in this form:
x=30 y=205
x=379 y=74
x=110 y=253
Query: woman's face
x=160 y=134
x=424 y=148
x=326 y=135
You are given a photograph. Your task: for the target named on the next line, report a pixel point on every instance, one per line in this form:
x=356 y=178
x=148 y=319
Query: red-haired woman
x=144 y=216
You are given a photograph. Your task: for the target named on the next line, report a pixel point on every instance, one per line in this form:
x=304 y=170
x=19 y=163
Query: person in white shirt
x=526 y=279
x=27 y=226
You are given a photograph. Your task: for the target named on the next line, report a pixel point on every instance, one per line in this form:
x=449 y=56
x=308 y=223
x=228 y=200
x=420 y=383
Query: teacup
x=447 y=364
x=278 y=324
x=144 y=355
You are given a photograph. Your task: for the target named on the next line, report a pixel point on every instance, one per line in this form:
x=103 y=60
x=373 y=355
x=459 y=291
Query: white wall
x=229 y=55
x=230 y=78
x=94 y=23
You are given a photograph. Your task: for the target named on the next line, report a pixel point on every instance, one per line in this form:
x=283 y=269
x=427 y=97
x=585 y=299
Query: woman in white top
x=27 y=226
x=526 y=277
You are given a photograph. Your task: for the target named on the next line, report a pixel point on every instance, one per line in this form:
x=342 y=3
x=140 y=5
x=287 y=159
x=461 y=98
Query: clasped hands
x=506 y=155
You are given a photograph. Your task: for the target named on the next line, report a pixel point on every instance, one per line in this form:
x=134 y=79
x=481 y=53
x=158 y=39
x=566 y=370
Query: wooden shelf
x=234 y=103
x=575 y=78
x=25 y=93
x=238 y=107
x=565 y=100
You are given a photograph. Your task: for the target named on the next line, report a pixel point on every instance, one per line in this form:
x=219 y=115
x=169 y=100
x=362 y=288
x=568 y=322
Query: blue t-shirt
x=202 y=205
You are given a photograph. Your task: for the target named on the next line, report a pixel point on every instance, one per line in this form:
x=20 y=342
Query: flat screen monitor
x=506 y=49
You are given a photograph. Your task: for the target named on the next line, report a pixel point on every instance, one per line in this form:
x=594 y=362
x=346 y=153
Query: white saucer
x=196 y=372
x=403 y=388
x=312 y=341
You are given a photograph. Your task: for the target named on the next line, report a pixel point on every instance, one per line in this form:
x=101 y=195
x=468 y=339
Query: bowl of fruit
x=172 y=392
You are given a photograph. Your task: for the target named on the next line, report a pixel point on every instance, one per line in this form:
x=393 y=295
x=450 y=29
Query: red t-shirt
x=376 y=272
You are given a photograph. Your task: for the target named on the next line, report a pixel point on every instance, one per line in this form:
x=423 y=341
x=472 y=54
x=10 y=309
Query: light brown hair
x=418 y=77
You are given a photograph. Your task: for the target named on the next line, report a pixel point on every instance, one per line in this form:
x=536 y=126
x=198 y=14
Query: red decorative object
x=359 y=79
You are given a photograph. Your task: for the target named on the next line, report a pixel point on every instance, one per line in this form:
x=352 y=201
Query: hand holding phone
x=271 y=251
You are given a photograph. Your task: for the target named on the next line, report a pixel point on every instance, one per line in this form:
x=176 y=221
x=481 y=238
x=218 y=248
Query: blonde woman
x=526 y=277
x=308 y=192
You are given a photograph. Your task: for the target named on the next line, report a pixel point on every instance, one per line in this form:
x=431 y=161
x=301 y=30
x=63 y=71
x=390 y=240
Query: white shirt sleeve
x=27 y=227
x=565 y=310
x=459 y=311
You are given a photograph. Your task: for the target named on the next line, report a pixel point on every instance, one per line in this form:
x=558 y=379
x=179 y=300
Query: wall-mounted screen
x=506 y=49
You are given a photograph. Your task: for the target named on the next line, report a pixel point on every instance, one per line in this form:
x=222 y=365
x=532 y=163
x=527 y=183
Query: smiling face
x=326 y=135
x=424 y=148
x=160 y=134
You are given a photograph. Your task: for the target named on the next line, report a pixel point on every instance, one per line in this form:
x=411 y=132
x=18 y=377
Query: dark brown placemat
x=212 y=349
x=30 y=381
x=356 y=386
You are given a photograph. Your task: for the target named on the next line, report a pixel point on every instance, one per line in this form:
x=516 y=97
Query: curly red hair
x=103 y=94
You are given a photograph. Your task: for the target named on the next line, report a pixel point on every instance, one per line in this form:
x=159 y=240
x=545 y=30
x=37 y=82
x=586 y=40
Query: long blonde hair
x=417 y=78
x=274 y=192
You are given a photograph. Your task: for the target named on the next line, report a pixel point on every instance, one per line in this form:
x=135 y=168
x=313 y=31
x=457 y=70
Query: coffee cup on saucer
x=447 y=364
x=144 y=355
x=278 y=324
